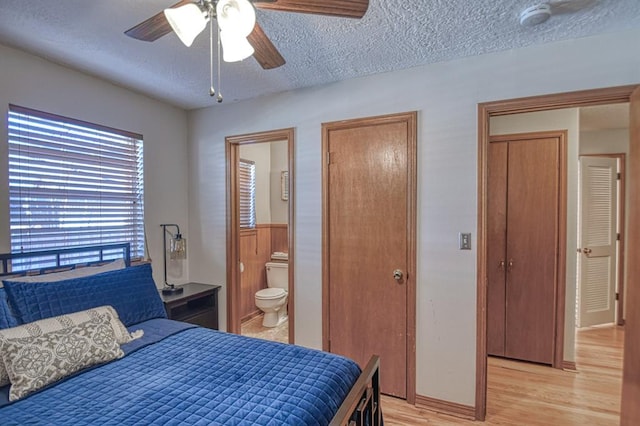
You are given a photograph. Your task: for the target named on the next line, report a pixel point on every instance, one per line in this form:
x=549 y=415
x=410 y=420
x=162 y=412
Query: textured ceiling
x=394 y=34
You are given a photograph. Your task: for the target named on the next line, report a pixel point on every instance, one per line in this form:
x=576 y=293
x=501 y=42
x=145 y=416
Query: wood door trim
x=277 y=225
x=411 y=118
x=561 y=237
x=622 y=158
x=232 y=144
x=528 y=136
x=630 y=410
x=487 y=110
x=445 y=407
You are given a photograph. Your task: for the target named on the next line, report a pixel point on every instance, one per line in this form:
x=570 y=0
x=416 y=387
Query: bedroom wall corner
x=30 y=81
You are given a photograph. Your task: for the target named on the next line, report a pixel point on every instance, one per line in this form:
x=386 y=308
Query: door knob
x=510 y=265
x=397 y=275
x=501 y=265
x=586 y=251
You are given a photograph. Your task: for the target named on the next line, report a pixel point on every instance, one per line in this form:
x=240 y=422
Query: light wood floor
x=521 y=393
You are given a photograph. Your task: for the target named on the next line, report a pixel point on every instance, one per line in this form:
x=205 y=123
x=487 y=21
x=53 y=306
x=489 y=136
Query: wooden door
x=523 y=234
x=369 y=218
x=496 y=246
x=532 y=249
x=598 y=240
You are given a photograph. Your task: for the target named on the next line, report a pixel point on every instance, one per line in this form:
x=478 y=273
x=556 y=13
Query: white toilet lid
x=270 y=293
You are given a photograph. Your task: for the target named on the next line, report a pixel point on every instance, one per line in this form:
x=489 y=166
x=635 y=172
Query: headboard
x=64 y=258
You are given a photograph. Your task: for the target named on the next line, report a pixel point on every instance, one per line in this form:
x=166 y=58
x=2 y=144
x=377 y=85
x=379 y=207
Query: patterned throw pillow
x=34 y=362
x=41 y=327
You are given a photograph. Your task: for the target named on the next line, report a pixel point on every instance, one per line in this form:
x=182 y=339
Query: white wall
x=446 y=96
x=564 y=119
x=32 y=82
x=611 y=141
x=279 y=163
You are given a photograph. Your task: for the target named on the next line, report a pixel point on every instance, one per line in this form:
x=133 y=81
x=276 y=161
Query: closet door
x=532 y=249
x=496 y=246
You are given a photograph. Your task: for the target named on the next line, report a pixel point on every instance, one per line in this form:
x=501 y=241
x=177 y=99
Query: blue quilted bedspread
x=197 y=377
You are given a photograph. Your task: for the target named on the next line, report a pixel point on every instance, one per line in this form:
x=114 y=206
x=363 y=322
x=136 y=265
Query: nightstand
x=197 y=304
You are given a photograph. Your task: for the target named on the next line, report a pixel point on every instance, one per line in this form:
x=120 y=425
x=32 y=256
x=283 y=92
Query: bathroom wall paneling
x=279 y=237
x=254 y=253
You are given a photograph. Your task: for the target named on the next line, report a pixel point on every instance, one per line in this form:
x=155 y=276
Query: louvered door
x=598 y=232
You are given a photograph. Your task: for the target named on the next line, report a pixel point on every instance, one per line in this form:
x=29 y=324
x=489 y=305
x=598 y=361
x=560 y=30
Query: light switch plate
x=464 y=240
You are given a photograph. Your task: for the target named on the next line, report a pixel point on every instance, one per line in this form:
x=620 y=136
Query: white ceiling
x=394 y=34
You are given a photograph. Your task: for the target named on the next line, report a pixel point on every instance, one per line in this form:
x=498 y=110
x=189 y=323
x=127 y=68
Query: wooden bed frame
x=57 y=263
x=361 y=405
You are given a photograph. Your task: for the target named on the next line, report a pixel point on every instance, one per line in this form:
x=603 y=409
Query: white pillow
x=72 y=273
x=34 y=362
x=53 y=324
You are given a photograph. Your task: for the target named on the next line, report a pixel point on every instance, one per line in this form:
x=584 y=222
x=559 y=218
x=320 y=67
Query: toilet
x=273 y=299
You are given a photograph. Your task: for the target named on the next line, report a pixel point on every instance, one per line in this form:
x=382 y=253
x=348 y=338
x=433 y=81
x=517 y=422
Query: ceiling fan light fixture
x=187 y=21
x=236 y=16
x=234 y=47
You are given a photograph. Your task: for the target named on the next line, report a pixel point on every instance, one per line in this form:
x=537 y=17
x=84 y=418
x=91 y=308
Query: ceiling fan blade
x=560 y=7
x=343 y=8
x=154 y=27
x=265 y=52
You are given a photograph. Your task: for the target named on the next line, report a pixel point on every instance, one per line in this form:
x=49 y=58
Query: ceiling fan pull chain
x=212 y=90
x=219 y=69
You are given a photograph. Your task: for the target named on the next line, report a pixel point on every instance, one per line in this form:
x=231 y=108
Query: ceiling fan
x=230 y=13
x=541 y=12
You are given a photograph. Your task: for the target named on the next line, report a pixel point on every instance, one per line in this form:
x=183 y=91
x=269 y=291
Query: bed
x=143 y=368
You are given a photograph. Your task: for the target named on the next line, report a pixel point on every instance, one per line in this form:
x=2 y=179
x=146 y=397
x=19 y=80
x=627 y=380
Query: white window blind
x=72 y=183
x=247 y=177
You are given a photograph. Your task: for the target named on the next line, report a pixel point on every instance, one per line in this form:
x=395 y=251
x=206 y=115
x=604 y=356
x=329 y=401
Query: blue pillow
x=7 y=320
x=131 y=291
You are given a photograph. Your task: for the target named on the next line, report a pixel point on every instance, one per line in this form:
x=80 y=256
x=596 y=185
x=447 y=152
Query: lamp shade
x=235 y=48
x=236 y=16
x=187 y=22
x=178 y=247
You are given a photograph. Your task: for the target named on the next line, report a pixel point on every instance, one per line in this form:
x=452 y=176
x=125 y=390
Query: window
x=72 y=183
x=247 y=176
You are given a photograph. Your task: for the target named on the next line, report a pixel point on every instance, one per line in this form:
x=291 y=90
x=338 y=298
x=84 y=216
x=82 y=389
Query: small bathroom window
x=247 y=187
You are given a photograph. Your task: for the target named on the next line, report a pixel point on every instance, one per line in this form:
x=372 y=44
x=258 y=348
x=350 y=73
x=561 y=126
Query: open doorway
x=504 y=108
x=260 y=222
x=602 y=227
x=597 y=140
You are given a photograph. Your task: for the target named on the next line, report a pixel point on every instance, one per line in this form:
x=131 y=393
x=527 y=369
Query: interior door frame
x=411 y=118
x=622 y=169
x=561 y=237
x=486 y=110
x=232 y=148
